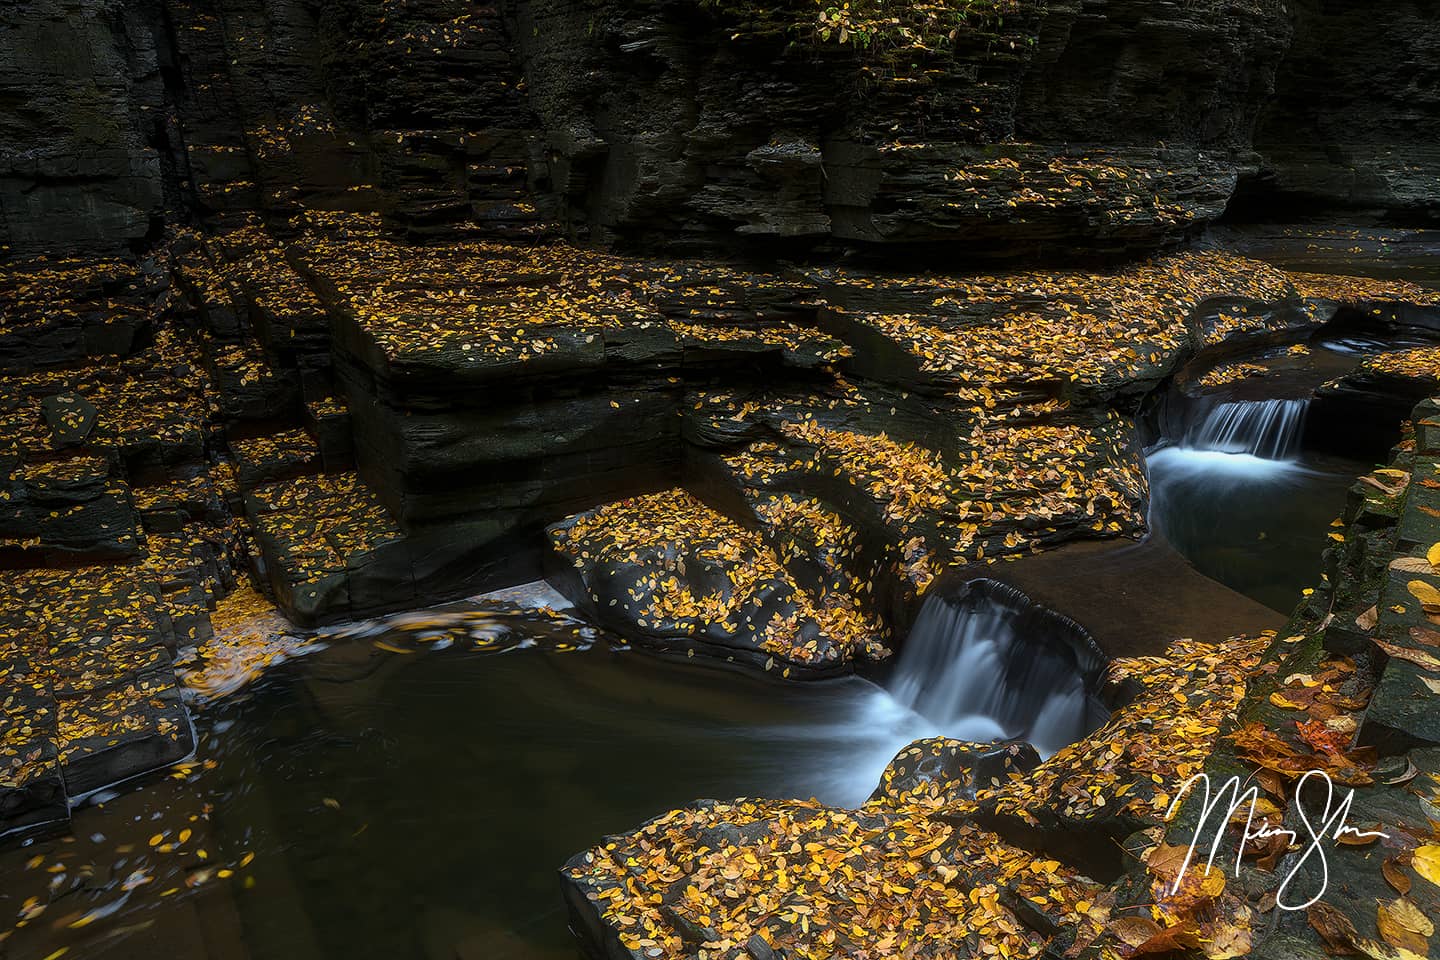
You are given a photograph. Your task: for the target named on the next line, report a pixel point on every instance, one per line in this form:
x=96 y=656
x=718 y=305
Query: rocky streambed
x=926 y=382
x=772 y=471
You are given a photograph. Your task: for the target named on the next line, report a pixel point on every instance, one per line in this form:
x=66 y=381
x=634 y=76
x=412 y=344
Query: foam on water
x=980 y=666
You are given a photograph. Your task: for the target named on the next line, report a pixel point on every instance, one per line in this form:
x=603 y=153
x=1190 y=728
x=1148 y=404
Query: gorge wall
x=1363 y=140
x=1023 y=129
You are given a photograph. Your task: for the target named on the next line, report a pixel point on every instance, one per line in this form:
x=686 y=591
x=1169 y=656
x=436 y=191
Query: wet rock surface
x=1331 y=692
x=226 y=361
x=362 y=426
x=673 y=574
x=948 y=770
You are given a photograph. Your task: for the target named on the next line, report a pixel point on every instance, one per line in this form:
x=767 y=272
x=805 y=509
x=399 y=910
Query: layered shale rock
x=107 y=459
x=674 y=575
x=1015 y=128
x=88 y=134
x=874 y=428
x=1357 y=141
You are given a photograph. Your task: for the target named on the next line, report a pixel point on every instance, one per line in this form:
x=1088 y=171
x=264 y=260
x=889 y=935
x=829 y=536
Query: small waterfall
x=984 y=663
x=1268 y=429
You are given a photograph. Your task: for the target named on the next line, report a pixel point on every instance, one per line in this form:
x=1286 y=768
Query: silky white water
x=1267 y=429
x=982 y=668
x=1237 y=498
x=1238 y=445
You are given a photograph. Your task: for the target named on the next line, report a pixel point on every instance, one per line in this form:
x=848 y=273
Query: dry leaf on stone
x=1403 y=925
x=1333 y=926
x=1394 y=876
x=1426 y=862
x=1428 y=596
x=1418 y=657
x=1410 y=772
x=1134 y=931
x=1411 y=565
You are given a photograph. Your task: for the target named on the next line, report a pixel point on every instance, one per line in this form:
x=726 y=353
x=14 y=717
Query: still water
x=419 y=806
x=366 y=802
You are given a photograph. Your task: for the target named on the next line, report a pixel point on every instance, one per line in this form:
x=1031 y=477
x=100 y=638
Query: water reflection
x=1257 y=525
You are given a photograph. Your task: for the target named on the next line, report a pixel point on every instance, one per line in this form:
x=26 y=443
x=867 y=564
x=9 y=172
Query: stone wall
x=1354 y=125
x=87 y=136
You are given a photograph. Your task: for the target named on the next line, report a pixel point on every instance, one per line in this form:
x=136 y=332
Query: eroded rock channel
x=442 y=444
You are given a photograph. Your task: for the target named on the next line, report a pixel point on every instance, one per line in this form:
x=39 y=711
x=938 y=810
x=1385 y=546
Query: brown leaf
x=1179 y=937
x=1418 y=657
x=1133 y=931
x=1430 y=638
x=1351 y=840
x=1271 y=782
x=1333 y=926
x=1394 y=876
x=1166 y=860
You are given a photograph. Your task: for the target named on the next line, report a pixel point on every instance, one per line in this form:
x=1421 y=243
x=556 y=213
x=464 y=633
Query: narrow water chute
x=1268 y=429
x=986 y=663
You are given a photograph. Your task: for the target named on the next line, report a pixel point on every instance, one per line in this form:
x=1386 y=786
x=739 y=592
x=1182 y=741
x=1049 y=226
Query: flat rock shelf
x=716 y=481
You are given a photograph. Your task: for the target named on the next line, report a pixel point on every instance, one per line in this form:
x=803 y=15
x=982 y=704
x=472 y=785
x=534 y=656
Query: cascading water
x=986 y=663
x=1232 y=490
x=981 y=663
x=1268 y=429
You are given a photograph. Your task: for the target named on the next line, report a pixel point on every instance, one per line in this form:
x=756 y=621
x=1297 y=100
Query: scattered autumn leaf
x=1394 y=876
x=1426 y=862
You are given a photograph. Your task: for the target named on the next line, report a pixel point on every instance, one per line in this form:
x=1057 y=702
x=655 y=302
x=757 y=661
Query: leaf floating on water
x=1433 y=555
x=331 y=802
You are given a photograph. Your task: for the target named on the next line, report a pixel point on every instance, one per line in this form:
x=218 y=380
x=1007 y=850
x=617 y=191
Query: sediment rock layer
x=1081 y=852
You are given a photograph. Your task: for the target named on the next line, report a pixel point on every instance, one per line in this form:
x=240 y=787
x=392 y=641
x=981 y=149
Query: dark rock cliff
x=1354 y=126
x=1104 y=126
x=1091 y=127
x=1067 y=127
x=87 y=132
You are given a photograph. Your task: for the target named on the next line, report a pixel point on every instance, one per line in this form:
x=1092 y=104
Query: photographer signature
x=1330 y=825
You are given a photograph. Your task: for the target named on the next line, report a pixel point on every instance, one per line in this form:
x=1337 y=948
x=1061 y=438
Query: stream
x=1242 y=501
x=418 y=806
